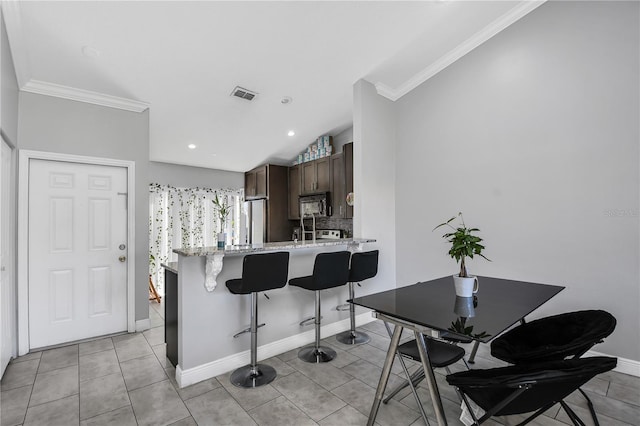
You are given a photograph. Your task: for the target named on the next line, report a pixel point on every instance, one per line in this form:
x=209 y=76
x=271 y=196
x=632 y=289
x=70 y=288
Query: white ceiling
x=182 y=59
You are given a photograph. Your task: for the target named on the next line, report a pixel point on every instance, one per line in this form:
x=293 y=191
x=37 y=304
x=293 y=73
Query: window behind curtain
x=187 y=217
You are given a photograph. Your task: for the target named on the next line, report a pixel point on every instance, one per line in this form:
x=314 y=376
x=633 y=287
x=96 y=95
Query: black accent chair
x=329 y=270
x=364 y=265
x=260 y=272
x=567 y=335
x=527 y=388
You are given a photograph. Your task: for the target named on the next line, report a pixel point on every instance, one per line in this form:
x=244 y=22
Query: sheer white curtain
x=187 y=217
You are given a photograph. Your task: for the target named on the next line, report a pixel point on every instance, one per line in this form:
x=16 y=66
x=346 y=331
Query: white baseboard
x=231 y=362
x=143 y=324
x=625 y=366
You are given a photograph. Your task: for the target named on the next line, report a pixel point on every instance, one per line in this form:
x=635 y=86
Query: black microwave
x=315 y=205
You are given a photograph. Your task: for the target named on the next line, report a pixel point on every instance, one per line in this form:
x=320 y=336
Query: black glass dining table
x=432 y=308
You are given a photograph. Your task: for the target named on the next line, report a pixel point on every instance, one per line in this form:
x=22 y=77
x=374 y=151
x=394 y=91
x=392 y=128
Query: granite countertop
x=282 y=245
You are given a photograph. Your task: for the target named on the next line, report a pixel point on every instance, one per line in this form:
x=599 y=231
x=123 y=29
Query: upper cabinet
x=315 y=176
x=332 y=174
x=294 y=192
x=270 y=182
x=255 y=183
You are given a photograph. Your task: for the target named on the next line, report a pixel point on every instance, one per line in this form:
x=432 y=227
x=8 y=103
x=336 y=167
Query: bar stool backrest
x=331 y=270
x=556 y=337
x=364 y=265
x=261 y=272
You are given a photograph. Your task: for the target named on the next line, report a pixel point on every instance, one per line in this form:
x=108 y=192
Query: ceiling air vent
x=240 y=92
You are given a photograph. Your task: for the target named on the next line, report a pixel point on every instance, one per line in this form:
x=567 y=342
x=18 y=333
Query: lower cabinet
x=171 y=315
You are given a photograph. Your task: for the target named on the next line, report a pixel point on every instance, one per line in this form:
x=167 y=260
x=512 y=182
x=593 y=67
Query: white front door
x=7 y=285
x=77 y=251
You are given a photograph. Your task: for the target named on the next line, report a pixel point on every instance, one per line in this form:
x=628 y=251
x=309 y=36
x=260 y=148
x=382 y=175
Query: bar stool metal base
x=353 y=337
x=316 y=355
x=252 y=377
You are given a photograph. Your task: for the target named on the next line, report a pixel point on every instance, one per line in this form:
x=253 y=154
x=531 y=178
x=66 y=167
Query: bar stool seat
x=260 y=272
x=364 y=265
x=329 y=270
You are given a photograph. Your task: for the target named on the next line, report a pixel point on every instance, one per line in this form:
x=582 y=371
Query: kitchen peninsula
x=208 y=315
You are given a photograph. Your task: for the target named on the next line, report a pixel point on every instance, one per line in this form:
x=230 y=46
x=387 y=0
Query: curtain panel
x=188 y=217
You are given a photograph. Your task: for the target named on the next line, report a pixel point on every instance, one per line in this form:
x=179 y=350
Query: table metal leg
x=431 y=380
x=384 y=377
x=410 y=383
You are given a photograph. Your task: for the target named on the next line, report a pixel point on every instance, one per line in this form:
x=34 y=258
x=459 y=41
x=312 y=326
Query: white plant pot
x=465 y=286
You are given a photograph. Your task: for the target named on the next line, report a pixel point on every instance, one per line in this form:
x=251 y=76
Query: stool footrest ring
x=246 y=330
x=308 y=321
x=343 y=307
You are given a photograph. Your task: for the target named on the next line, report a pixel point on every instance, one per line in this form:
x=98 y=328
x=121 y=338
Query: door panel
x=61 y=212
x=77 y=220
x=61 y=291
x=100 y=300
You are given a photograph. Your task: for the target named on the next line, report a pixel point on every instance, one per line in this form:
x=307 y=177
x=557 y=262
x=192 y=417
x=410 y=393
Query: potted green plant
x=223 y=212
x=463 y=244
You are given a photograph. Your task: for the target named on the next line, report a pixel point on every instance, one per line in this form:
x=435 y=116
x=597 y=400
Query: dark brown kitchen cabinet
x=269 y=182
x=338 y=194
x=347 y=151
x=316 y=176
x=294 y=192
x=255 y=183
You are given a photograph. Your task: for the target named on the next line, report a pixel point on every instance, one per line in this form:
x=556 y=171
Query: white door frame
x=9 y=258
x=23 y=234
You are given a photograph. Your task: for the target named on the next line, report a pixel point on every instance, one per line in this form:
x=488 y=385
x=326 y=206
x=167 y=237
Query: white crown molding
x=74 y=94
x=17 y=43
x=465 y=47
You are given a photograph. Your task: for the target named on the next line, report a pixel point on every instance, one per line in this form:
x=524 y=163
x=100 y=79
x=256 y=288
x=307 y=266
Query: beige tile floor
x=126 y=380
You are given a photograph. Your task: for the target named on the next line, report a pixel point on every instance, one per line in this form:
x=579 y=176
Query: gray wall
x=190 y=177
x=9 y=90
x=374 y=181
x=534 y=136
x=341 y=139
x=62 y=126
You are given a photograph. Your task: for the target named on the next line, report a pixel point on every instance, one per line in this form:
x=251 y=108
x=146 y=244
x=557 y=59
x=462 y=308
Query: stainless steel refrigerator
x=256 y=220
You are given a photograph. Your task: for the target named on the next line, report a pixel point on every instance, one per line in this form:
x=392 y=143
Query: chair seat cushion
x=303 y=282
x=553 y=338
x=441 y=354
x=235 y=287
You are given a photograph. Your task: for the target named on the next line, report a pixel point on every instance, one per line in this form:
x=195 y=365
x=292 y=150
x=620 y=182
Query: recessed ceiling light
x=90 y=52
x=286 y=100
x=291 y=133
x=191 y=146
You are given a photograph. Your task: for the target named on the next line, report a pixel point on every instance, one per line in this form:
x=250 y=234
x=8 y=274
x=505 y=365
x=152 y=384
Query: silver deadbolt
x=122 y=247
x=122 y=258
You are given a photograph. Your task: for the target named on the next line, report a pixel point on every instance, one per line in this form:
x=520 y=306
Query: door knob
x=122 y=258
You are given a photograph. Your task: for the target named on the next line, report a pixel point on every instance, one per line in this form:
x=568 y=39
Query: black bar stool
x=364 y=265
x=260 y=272
x=329 y=270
